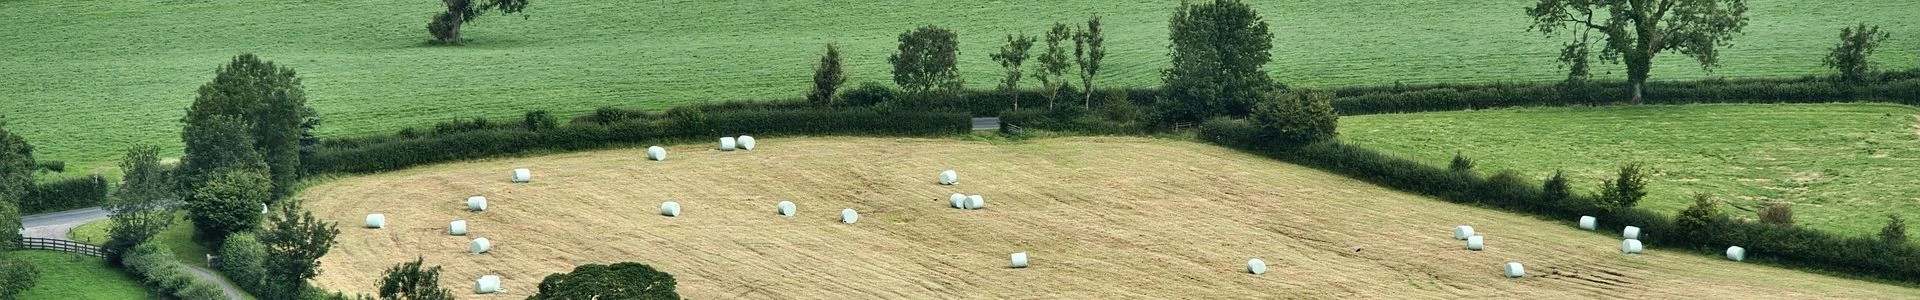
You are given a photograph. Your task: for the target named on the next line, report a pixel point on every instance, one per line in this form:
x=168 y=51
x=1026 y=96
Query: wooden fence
x=60 y=245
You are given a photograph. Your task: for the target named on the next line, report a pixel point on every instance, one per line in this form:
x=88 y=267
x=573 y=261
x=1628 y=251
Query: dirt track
x=1102 y=218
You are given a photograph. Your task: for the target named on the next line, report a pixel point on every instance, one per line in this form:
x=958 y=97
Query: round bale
x=263 y=208
x=1631 y=233
x=746 y=142
x=726 y=144
x=376 y=221
x=477 y=203
x=957 y=200
x=458 y=227
x=1631 y=246
x=949 y=177
x=1515 y=270
x=670 y=209
x=1256 y=266
x=849 y=216
x=486 y=285
x=1019 y=260
x=479 y=245
x=1476 y=243
x=1736 y=253
x=976 y=202
x=787 y=209
x=657 y=153
x=1589 y=222
x=1462 y=232
x=522 y=175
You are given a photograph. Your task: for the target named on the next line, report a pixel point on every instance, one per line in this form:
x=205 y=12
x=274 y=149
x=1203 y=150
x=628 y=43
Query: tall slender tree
x=1088 y=49
x=1638 y=30
x=827 y=77
x=1011 y=56
x=1053 y=62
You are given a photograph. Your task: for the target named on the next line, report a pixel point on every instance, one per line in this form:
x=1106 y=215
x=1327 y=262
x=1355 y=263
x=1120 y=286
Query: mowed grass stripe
x=1842 y=165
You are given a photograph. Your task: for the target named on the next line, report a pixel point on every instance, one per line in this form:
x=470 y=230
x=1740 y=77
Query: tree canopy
x=445 y=26
x=627 y=280
x=926 y=60
x=1635 y=31
x=1220 y=51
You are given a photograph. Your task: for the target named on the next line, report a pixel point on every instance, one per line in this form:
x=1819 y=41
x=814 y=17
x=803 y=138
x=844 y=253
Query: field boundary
x=61 y=245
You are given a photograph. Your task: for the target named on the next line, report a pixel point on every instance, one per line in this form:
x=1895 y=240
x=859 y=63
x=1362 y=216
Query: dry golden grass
x=1102 y=218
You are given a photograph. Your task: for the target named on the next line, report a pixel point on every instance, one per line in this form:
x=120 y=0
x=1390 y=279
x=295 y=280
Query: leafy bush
x=1624 y=191
x=1556 y=189
x=408 y=281
x=241 y=259
x=538 y=120
x=870 y=94
x=1460 y=163
x=627 y=280
x=16 y=277
x=156 y=267
x=1777 y=213
x=1896 y=230
x=1695 y=220
x=66 y=194
x=1299 y=117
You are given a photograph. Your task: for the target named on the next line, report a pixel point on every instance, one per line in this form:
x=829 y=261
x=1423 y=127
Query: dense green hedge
x=1448 y=97
x=66 y=194
x=156 y=267
x=383 y=153
x=1766 y=243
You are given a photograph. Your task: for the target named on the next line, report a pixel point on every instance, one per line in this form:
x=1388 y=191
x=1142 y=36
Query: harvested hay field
x=1101 y=218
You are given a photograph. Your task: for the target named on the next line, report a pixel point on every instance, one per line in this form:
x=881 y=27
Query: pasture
x=1841 y=166
x=1101 y=217
x=65 y=276
x=84 y=80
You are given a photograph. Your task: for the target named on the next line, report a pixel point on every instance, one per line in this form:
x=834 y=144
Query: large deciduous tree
x=827 y=77
x=1219 y=55
x=1053 y=62
x=1089 y=48
x=270 y=101
x=927 y=60
x=1011 y=56
x=1637 y=30
x=445 y=26
x=140 y=207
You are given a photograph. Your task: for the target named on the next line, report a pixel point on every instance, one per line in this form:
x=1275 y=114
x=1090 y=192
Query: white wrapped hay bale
x=376 y=221
x=1631 y=246
x=670 y=209
x=787 y=209
x=746 y=142
x=1019 y=260
x=949 y=177
x=1589 y=222
x=726 y=144
x=849 y=216
x=1476 y=243
x=522 y=175
x=1631 y=233
x=1256 y=266
x=976 y=202
x=263 y=208
x=477 y=203
x=1462 y=232
x=458 y=227
x=1736 y=253
x=957 y=200
x=486 y=285
x=1515 y=270
x=657 y=153
x=479 y=245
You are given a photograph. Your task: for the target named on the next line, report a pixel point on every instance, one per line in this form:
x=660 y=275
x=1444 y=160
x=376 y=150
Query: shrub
x=66 y=194
x=1556 y=189
x=1696 y=219
x=1300 y=117
x=241 y=260
x=408 y=281
x=156 y=267
x=1460 y=163
x=627 y=280
x=870 y=94
x=16 y=277
x=1624 y=191
x=54 y=166
x=538 y=120
x=1896 y=230
x=1777 y=213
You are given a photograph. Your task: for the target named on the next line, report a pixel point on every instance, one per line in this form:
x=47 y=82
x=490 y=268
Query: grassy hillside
x=65 y=276
x=85 y=79
x=1842 y=165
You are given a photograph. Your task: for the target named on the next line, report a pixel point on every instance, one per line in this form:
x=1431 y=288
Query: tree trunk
x=455 y=37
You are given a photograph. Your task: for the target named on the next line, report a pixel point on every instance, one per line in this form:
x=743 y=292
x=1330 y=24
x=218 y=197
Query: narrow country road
x=56 y=225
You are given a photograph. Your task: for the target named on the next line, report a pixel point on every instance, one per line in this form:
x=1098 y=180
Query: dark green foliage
x=538 y=120
x=1299 y=117
x=54 y=166
x=1460 y=163
x=270 y=102
x=1623 y=191
x=1777 y=213
x=1852 y=56
x=627 y=280
x=870 y=94
x=1449 y=97
x=1088 y=50
x=295 y=240
x=1556 y=189
x=1072 y=119
x=688 y=121
x=445 y=26
x=608 y=115
x=458 y=125
x=1011 y=56
x=1896 y=230
x=1636 y=31
x=827 y=77
x=1053 y=63
x=227 y=203
x=242 y=259
x=66 y=194
x=156 y=267
x=16 y=181
x=926 y=60
x=16 y=277
x=1697 y=220
x=1219 y=55
x=408 y=281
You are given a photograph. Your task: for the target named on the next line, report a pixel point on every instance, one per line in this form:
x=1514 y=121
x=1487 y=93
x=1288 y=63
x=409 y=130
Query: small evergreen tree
x=827 y=77
x=1301 y=117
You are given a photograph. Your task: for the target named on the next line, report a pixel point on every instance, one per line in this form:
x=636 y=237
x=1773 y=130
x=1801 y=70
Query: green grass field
x=178 y=238
x=84 y=80
x=67 y=277
x=1843 y=166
